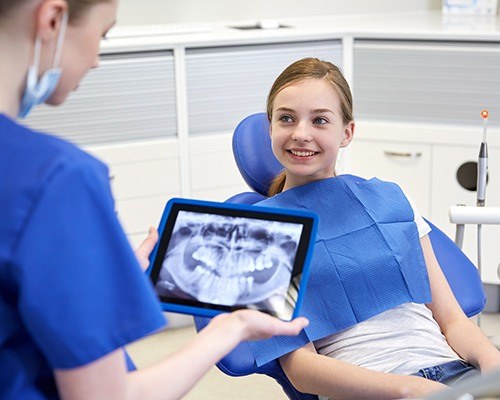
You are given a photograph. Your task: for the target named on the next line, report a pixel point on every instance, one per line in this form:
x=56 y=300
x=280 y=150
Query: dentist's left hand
x=146 y=247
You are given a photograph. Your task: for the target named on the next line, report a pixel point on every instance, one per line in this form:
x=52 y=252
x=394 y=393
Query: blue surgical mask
x=38 y=91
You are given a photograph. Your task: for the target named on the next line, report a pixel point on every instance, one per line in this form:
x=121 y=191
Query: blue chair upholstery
x=258 y=166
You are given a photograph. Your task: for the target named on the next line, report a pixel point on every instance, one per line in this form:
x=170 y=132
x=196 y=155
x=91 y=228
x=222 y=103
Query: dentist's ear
x=49 y=17
x=348 y=134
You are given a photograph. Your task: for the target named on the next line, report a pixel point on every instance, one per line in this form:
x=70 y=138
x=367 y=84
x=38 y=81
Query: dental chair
x=258 y=166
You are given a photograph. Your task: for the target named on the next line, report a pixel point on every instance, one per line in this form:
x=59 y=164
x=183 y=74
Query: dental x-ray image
x=231 y=261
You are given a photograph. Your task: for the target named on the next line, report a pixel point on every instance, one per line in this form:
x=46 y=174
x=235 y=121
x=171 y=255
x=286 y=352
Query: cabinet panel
x=226 y=84
x=446 y=192
x=426 y=81
x=137 y=215
x=404 y=163
x=144 y=175
x=214 y=174
x=147 y=178
x=141 y=169
x=129 y=97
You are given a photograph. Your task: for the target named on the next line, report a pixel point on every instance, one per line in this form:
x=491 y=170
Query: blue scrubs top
x=71 y=289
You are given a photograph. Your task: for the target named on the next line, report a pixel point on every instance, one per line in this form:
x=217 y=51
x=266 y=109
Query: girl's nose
x=301 y=134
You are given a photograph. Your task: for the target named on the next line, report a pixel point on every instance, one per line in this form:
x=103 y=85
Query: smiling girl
x=384 y=321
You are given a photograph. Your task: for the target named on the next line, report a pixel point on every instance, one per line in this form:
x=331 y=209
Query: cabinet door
x=144 y=175
x=214 y=174
x=406 y=164
x=447 y=191
x=129 y=97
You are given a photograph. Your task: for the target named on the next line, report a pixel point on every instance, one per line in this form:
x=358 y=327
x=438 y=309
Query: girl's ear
x=348 y=134
x=48 y=19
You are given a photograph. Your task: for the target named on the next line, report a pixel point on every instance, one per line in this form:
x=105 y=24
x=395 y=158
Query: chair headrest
x=253 y=154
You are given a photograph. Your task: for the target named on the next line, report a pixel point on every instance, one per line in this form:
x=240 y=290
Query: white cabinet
x=407 y=164
x=423 y=101
x=446 y=191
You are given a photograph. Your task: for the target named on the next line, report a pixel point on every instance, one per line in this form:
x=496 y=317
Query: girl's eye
x=286 y=118
x=320 y=121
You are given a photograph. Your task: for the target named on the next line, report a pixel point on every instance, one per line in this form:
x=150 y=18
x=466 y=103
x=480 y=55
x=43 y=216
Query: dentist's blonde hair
x=309 y=68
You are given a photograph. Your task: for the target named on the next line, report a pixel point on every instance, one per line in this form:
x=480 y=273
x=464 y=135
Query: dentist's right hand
x=253 y=325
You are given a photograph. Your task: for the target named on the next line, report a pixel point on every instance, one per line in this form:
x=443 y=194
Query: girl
x=71 y=289
x=385 y=337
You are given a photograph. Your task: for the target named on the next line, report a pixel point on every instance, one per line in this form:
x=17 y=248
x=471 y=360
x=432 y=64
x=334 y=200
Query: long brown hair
x=309 y=68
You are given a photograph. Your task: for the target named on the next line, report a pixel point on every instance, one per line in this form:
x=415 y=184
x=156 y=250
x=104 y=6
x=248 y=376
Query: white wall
x=164 y=11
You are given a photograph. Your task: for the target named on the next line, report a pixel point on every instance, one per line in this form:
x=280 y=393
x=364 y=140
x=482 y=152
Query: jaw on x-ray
x=228 y=260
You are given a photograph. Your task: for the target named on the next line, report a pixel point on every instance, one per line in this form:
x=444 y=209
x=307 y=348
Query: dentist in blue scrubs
x=72 y=292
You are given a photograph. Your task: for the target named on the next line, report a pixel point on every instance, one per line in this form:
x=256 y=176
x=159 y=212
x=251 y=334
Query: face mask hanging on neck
x=38 y=91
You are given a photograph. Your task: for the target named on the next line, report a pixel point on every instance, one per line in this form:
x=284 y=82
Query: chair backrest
x=258 y=166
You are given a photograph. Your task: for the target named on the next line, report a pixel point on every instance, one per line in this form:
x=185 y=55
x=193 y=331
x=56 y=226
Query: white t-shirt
x=401 y=340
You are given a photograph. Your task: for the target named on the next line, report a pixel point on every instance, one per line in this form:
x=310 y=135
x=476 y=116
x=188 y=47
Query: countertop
x=431 y=25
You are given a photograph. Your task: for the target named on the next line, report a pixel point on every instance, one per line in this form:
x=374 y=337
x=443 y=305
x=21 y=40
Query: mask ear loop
x=36 y=58
x=57 y=56
x=60 y=39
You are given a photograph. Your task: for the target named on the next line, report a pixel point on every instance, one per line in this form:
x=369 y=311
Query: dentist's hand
x=146 y=247
x=253 y=325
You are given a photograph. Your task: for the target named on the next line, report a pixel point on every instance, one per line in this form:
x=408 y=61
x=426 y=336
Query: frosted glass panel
x=129 y=97
x=439 y=82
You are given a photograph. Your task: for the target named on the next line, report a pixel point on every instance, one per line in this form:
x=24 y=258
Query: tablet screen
x=215 y=257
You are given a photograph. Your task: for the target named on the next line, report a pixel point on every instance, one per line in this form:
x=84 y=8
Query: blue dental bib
x=367 y=257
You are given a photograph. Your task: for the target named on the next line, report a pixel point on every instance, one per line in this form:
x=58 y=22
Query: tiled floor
x=217 y=386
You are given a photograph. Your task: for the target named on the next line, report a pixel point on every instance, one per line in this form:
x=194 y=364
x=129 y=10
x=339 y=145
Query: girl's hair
x=309 y=68
x=76 y=7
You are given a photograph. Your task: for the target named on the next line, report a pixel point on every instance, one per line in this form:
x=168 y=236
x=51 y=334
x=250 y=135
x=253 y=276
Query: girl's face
x=81 y=46
x=307 y=131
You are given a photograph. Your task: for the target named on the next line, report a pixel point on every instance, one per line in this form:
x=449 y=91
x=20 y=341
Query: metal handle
x=403 y=154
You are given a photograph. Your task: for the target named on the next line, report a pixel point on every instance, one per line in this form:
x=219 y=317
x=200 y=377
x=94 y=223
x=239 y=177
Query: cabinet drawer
x=406 y=164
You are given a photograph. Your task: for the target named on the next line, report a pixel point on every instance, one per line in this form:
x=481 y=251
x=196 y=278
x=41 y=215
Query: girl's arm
x=465 y=337
x=172 y=378
x=311 y=372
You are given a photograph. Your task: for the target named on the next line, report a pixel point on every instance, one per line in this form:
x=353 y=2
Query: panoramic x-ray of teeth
x=229 y=260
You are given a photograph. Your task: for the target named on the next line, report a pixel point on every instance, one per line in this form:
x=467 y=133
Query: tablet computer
x=217 y=257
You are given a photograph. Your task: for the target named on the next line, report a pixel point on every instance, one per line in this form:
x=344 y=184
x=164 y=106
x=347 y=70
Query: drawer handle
x=403 y=154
